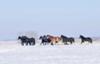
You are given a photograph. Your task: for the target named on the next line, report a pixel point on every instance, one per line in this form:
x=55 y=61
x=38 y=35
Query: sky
x=56 y=17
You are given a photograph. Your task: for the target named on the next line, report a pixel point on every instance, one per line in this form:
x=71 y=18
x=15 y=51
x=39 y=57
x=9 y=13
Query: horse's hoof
x=51 y=43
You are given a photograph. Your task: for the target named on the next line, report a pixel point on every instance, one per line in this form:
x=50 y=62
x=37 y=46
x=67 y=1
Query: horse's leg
x=22 y=43
x=65 y=43
x=33 y=43
x=26 y=43
x=82 y=42
x=52 y=43
x=42 y=42
x=30 y=43
x=71 y=42
x=46 y=43
x=91 y=41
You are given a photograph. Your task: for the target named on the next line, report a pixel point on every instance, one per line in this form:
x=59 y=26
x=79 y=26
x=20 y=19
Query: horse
x=45 y=40
x=54 y=39
x=31 y=41
x=23 y=40
x=83 y=39
x=66 y=39
x=26 y=40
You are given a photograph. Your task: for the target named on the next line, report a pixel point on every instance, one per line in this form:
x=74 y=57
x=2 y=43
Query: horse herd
x=48 y=39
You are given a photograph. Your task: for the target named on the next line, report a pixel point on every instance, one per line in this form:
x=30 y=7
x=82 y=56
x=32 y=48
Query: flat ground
x=13 y=53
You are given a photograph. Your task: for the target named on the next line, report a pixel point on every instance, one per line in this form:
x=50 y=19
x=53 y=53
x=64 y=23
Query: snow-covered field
x=11 y=52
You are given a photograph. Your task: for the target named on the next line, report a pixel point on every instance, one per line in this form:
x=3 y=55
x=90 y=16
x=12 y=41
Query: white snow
x=11 y=52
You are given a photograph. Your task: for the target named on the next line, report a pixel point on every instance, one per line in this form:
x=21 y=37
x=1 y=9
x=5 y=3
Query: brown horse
x=54 y=39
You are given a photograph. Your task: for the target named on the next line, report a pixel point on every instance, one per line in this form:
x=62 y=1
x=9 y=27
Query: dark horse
x=26 y=40
x=83 y=39
x=66 y=39
x=45 y=40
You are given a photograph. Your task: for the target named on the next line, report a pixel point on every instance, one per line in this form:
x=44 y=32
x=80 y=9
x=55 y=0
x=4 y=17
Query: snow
x=11 y=52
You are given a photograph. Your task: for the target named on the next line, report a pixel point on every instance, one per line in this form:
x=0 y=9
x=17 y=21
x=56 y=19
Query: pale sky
x=68 y=17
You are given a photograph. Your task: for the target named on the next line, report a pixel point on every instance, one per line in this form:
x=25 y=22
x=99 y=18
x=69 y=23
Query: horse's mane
x=81 y=36
x=63 y=36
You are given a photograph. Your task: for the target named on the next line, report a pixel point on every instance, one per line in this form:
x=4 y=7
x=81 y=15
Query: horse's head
x=40 y=37
x=48 y=35
x=19 y=37
x=62 y=36
x=81 y=36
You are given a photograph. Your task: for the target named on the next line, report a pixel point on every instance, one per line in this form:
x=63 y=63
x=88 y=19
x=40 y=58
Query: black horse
x=31 y=41
x=66 y=39
x=26 y=40
x=45 y=40
x=83 y=39
x=23 y=40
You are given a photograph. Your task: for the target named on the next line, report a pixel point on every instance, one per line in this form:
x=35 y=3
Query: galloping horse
x=54 y=39
x=26 y=40
x=83 y=39
x=66 y=39
x=45 y=40
x=23 y=40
